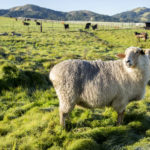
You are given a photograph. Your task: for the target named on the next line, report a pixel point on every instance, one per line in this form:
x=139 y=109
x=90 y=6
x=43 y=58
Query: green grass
x=29 y=117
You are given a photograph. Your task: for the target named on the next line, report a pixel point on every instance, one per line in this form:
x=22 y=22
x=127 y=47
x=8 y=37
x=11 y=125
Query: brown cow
x=142 y=35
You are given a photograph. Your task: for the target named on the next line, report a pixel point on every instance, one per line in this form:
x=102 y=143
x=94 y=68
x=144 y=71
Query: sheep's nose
x=128 y=61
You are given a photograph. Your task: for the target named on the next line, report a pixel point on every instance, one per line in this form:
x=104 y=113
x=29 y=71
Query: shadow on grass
x=13 y=77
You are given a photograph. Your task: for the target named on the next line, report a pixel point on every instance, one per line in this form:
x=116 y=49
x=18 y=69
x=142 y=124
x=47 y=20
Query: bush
x=14 y=77
x=83 y=144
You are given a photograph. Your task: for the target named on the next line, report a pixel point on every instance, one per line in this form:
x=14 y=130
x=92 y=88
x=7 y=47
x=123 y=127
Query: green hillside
x=141 y=14
x=88 y=15
x=32 y=11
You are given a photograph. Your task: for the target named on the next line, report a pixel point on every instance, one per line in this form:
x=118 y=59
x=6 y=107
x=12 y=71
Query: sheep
x=143 y=35
x=96 y=84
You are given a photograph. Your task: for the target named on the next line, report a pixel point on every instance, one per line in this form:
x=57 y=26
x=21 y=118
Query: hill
x=88 y=15
x=141 y=14
x=33 y=11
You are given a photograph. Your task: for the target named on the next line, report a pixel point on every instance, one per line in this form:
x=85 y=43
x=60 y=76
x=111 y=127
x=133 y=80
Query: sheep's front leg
x=63 y=117
x=120 y=118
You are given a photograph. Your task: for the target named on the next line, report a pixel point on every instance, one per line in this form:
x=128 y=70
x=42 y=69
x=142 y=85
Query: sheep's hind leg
x=64 y=113
x=67 y=101
x=120 y=118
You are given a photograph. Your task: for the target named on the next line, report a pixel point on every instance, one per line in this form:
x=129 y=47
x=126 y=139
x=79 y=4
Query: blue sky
x=108 y=7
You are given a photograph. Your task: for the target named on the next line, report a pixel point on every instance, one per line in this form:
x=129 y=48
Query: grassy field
x=29 y=117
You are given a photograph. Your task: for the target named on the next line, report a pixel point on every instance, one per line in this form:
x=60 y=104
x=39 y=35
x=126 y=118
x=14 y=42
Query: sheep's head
x=134 y=57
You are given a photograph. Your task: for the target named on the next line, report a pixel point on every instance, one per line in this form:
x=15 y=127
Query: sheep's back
x=73 y=72
x=79 y=74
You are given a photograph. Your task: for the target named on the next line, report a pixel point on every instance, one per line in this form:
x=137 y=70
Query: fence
x=17 y=25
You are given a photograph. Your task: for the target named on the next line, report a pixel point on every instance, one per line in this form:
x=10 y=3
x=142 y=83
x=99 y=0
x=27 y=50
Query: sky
x=107 y=7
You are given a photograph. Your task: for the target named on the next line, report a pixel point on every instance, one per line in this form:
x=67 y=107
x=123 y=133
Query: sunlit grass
x=29 y=116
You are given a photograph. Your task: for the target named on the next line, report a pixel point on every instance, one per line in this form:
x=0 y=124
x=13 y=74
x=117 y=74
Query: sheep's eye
x=137 y=52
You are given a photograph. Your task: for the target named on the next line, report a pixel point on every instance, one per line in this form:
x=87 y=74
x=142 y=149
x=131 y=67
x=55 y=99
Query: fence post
x=41 y=28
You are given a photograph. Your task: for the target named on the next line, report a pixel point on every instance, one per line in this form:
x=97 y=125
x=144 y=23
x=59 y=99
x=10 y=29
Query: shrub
x=14 y=77
x=84 y=144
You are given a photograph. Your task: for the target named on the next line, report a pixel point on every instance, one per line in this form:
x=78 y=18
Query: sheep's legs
x=63 y=117
x=120 y=118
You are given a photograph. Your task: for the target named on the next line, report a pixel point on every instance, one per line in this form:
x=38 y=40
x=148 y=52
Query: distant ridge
x=141 y=14
x=33 y=11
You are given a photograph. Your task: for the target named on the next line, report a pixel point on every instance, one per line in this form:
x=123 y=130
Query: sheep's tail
x=50 y=75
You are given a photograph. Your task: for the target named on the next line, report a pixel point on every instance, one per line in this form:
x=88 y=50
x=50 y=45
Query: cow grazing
x=66 y=26
x=142 y=35
x=28 y=19
x=26 y=23
x=94 y=27
x=38 y=23
x=4 y=34
x=16 y=34
x=87 y=26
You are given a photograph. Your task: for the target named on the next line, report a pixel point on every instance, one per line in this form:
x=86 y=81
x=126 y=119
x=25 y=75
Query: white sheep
x=95 y=84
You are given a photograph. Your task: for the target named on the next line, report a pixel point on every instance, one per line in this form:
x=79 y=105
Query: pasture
x=29 y=117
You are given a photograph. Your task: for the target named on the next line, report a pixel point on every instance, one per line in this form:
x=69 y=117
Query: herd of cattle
x=66 y=26
x=26 y=22
x=87 y=26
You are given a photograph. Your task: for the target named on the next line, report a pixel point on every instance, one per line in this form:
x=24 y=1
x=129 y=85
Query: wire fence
x=51 y=25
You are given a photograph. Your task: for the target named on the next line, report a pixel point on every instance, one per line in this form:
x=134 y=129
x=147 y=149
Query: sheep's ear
x=121 y=56
x=142 y=52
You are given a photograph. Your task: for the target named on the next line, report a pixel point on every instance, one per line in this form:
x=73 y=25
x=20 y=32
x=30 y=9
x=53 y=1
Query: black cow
x=38 y=23
x=94 y=27
x=66 y=26
x=87 y=26
x=28 y=19
x=26 y=23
